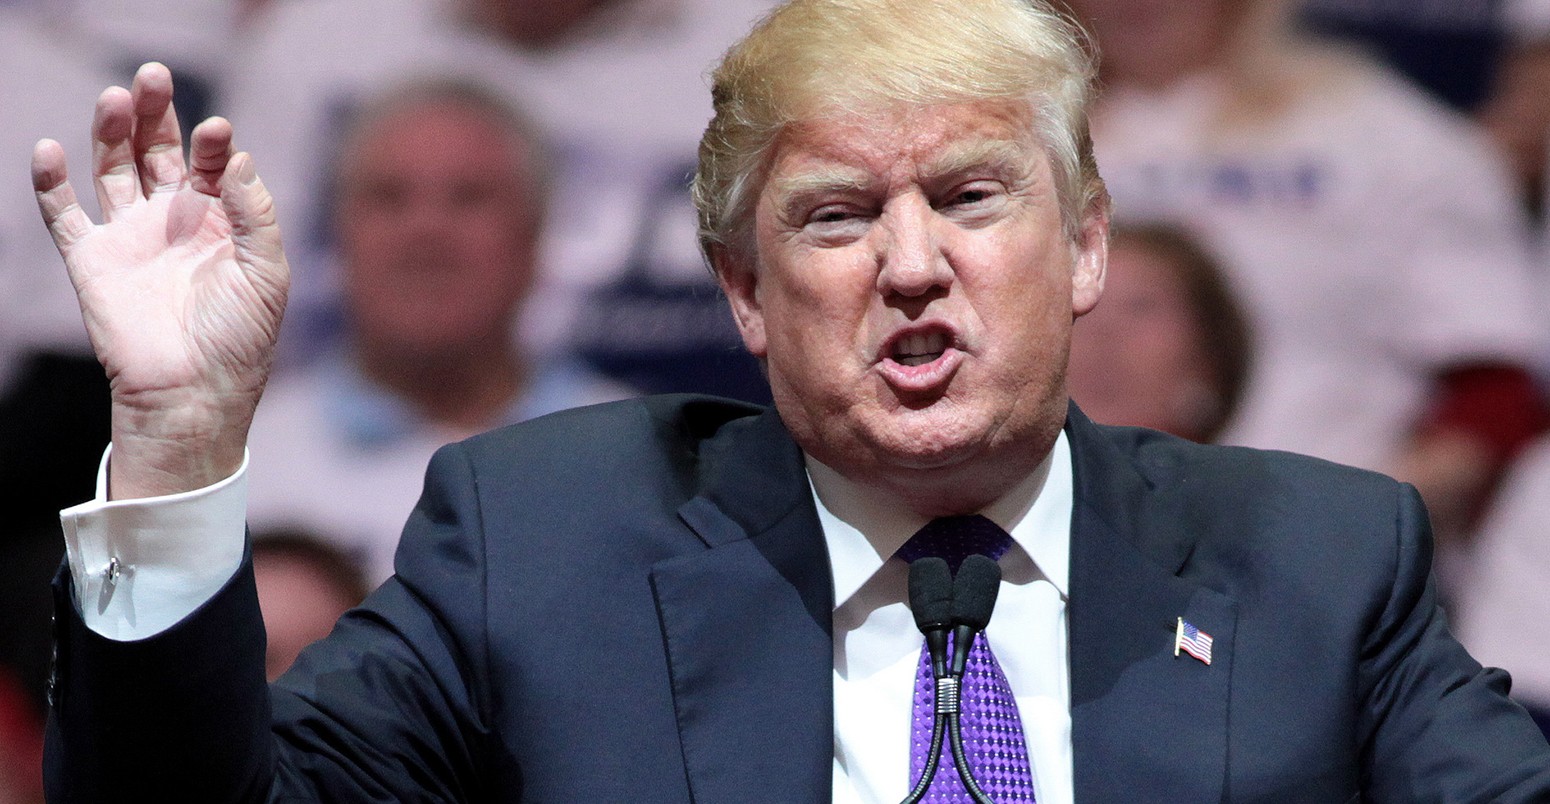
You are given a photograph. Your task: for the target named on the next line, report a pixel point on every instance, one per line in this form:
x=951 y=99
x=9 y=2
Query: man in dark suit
x=689 y=599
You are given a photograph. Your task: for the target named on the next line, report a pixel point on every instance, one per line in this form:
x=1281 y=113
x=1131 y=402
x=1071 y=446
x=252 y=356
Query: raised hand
x=182 y=285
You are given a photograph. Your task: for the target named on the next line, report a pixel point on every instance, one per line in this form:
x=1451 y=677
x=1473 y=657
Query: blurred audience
x=21 y=746
x=53 y=427
x=1449 y=47
x=193 y=37
x=304 y=584
x=618 y=86
x=1490 y=58
x=43 y=86
x=1517 y=112
x=442 y=188
x=53 y=396
x=1373 y=235
x=1168 y=346
x=1502 y=610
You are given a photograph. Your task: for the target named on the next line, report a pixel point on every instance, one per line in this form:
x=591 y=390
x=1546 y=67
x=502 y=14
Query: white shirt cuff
x=142 y=565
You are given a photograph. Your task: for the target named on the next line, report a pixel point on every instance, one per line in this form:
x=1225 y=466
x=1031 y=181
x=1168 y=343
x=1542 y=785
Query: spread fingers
x=210 y=150
x=66 y=221
x=158 y=144
x=113 y=158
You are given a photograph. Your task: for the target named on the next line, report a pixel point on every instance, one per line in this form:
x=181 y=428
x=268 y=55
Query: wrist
x=169 y=449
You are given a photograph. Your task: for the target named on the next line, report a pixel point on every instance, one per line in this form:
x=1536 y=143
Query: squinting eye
x=829 y=215
x=971 y=196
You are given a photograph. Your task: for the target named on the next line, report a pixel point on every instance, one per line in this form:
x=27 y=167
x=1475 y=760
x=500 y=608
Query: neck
x=465 y=391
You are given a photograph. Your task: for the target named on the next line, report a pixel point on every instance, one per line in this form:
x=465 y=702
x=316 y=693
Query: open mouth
x=919 y=348
x=921 y=360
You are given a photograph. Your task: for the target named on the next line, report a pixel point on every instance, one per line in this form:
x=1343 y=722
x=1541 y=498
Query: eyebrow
x=998 y=155
x=1005 y=158
x=821 y=181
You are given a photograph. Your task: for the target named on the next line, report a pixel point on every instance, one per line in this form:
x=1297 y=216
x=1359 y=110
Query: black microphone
x=931 y=601
x=974 y=597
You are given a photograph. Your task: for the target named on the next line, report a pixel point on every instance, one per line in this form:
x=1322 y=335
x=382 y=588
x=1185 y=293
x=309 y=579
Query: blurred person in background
x=1517 y=113
x=41 y=79
x=1452 y=48
x=1487 y=58
x=617 y=85
x=21 y=745
x=1373 y=234
x=53 y=396
x=442 y=190
x=194 y=37
x=1502 y=605
x=304 y=585
x=1169 y=348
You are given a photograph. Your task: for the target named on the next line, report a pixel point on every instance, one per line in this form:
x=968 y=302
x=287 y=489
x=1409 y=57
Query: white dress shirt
x=142 y=565
x=877 y=647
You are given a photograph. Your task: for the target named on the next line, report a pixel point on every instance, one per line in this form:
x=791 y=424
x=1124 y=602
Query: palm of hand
x=166 y=302
x=181 y=287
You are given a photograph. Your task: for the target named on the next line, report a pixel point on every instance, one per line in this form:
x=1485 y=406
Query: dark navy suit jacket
x=632 y=603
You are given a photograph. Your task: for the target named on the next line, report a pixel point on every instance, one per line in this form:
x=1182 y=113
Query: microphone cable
x=962 y=605
x=931 y=600
x=974 y=597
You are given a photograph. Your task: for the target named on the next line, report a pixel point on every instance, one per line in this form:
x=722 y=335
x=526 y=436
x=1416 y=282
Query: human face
x=437 y=228
x=1140 y=358
x=299 y=604
x=913 y=295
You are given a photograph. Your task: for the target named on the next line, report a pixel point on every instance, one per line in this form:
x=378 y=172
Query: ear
x=1092 y=261
x=739 y=280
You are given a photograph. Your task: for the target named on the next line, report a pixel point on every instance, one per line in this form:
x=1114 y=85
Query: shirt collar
x=863 y=528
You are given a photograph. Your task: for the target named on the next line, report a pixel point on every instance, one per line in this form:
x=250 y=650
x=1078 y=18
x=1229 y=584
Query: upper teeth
x=919 y=347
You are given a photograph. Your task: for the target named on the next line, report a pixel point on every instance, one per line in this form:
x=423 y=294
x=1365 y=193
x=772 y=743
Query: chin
x=919 y=440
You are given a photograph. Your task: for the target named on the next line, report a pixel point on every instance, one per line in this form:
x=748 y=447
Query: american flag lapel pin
x=1191 y=640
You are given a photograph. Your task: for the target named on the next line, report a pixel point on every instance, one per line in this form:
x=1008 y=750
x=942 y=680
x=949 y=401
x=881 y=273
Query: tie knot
x=954 y=538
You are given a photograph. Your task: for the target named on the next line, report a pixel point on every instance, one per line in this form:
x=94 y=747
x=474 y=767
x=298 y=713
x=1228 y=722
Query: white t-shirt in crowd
x=1372 y=236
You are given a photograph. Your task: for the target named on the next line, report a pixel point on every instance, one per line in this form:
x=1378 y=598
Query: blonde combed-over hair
x=810 y=59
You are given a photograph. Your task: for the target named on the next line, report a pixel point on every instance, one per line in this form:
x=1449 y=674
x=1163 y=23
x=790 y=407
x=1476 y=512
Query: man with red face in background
x=443 y=190
x=685 y=598
x=616 y=85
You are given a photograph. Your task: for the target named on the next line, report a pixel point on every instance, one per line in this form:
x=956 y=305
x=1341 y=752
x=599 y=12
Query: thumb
x=255 y=231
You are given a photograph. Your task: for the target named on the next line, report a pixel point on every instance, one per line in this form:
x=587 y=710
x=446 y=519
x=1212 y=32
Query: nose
x=428 y=212
x=912 y=261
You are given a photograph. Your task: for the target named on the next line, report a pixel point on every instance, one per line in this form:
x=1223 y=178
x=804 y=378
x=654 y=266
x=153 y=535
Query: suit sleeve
x=1434 y=724
x=389 y=707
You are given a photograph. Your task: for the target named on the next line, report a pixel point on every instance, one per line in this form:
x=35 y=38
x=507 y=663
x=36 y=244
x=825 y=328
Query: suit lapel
x=1145 y=724
x=747 y=624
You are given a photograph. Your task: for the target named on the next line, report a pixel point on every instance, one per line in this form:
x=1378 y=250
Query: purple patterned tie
x=992 y=730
